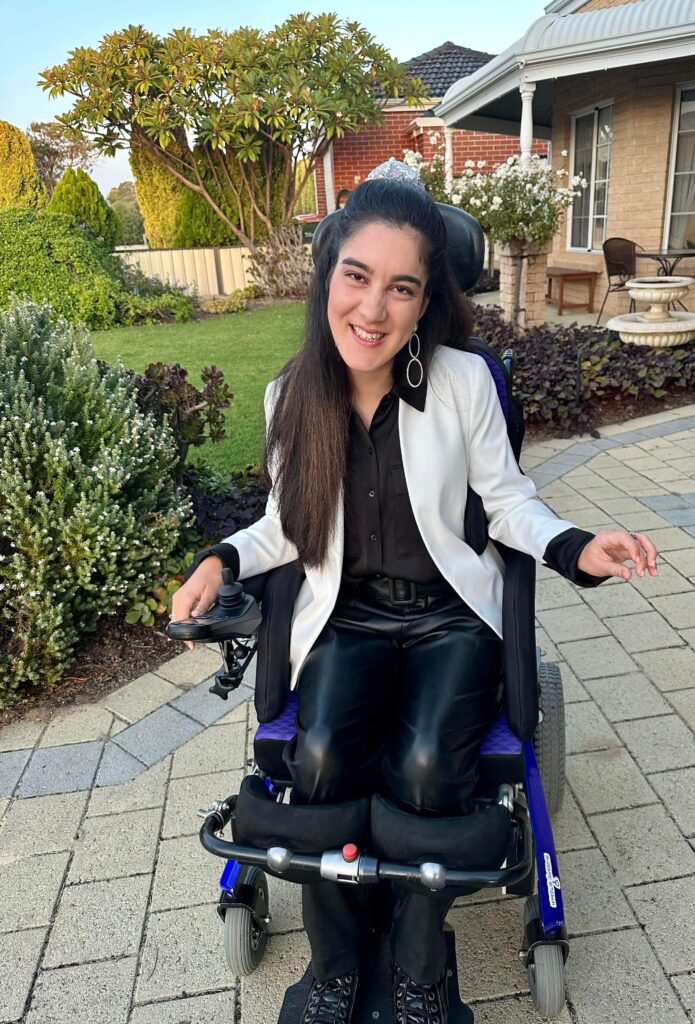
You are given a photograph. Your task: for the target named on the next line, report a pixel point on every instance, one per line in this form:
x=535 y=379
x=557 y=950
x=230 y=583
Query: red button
x=350 y=852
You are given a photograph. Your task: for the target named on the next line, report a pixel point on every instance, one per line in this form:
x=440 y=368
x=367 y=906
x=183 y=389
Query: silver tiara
x=396 y=170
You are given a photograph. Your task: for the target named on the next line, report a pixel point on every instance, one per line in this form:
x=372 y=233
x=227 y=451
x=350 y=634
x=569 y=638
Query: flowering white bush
x=432 y=172
x=517 y=204
x=89 y=508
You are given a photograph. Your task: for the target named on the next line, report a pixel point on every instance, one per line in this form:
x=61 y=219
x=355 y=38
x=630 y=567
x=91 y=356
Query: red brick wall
x=356 y=154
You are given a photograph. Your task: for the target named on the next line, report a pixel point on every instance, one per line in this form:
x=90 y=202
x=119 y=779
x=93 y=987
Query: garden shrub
x=564 y=376
x=224 y=502
x=282 y=267
x=193 y=415
x=235 y=302
x=47 y=258
x=20 y=183
x=77 y=195
x=89 y=504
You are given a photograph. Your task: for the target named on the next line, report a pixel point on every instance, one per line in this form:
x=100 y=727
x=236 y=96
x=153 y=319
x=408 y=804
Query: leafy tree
x=20 y=184
x=78 y=196
x=124 y=204
x=55 y=149
x=258 y=102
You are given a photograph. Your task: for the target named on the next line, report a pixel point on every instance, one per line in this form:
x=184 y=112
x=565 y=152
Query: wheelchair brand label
x=551 y=880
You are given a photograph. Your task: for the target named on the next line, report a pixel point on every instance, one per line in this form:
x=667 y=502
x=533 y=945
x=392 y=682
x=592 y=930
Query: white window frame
x=592 y=109
x=675 y=121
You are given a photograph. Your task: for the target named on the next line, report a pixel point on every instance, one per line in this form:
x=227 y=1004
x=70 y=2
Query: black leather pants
x=392 y=699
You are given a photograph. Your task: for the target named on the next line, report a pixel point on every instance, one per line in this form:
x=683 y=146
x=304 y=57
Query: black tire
x=244 y=940
x=549 y=739
x=546 y=973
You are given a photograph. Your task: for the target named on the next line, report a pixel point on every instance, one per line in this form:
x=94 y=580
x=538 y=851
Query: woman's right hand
x=199 y=592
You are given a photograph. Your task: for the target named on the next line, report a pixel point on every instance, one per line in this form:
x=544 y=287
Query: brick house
x=612 y=83
x=345 y=162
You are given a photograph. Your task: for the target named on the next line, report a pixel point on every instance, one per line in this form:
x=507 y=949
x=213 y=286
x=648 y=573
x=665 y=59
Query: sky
x=38 y=34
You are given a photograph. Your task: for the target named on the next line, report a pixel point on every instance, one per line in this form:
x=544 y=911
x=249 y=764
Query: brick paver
x=107 y=898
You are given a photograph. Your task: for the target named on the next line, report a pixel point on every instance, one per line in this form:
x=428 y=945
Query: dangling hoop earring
x=414 y=364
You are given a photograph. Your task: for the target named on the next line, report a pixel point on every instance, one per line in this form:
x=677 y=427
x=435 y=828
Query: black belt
x=399 y=592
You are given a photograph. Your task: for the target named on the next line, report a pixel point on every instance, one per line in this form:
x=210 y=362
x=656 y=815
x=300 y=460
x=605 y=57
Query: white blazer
x=460 y=437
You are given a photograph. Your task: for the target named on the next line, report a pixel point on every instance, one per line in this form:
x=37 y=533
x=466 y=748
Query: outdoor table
x=668 y=259
x=562 y=274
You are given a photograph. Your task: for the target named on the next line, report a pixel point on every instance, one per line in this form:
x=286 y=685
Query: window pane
x=605 y=125
x=687 y=110
x=685 y=154
x=583 y=141
x=684 y=193
x=599 y=232
x=580 y=232
x=682 y=234
x=602 y=162
x=600 y=199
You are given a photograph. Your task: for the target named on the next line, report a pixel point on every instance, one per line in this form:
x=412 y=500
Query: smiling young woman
x=376 y=429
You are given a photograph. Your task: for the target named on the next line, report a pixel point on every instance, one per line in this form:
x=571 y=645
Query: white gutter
x=520 y=65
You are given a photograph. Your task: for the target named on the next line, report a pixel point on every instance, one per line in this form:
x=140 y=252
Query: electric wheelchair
x=506 y=843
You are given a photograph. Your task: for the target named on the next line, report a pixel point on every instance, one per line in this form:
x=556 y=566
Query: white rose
x=456 y=199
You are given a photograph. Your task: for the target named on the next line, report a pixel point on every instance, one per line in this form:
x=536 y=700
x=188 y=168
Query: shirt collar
x=415 y=397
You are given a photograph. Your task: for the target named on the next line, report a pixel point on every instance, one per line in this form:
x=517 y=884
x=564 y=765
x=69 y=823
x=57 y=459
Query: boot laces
x=417 y=1004
x=330 y=1002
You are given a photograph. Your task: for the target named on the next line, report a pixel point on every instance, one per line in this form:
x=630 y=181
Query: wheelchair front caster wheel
x=546 y=972
x=244 y=939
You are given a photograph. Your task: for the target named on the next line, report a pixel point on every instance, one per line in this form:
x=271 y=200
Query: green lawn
x=248 y=347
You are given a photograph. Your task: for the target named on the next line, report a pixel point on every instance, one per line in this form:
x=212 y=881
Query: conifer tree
x=77 y=195
x=20 y=184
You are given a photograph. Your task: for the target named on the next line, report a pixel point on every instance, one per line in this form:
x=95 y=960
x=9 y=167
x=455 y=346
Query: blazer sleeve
x=263 y=545
x=516 y=516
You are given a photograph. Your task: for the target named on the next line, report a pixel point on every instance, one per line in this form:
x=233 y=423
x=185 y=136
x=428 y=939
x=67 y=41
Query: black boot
x=419 y=1004
x=331 y=1002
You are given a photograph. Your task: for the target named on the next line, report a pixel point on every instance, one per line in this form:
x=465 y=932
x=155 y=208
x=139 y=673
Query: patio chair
x=619 y=256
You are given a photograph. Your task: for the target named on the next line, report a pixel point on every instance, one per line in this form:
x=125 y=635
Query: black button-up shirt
x=381 y=535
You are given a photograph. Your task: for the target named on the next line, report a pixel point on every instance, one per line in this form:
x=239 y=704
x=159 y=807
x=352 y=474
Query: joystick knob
x=231 y=594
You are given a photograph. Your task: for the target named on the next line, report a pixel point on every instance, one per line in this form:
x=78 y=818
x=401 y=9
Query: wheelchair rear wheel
x=546 y=971
x=244 y=939
x=549 y=739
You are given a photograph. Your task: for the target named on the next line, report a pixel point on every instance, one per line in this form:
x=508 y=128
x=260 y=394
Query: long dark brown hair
x=305 y=453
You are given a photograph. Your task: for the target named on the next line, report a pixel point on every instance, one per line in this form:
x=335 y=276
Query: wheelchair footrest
x=374 y=996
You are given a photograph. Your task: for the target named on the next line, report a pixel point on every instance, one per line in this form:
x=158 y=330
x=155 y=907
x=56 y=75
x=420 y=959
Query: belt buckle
x=395 y=585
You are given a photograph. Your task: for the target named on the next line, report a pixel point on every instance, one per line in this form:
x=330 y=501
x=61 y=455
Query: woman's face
x=376 y=296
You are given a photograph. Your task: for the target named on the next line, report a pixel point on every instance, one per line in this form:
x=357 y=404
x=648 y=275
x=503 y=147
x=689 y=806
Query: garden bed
x=104 y=660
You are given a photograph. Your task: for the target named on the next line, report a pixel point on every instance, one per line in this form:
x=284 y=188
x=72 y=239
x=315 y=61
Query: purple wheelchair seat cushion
x=501 y=753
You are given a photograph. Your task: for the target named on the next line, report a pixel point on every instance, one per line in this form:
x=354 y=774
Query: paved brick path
x=107 y=898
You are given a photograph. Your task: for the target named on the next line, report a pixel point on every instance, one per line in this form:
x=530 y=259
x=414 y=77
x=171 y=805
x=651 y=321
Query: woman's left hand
x=606 y=553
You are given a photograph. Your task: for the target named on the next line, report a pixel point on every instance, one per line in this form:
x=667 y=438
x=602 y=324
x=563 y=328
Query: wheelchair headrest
x=464 y=234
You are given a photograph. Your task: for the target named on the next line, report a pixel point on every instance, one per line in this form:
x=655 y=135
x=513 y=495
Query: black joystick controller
x=234 y=614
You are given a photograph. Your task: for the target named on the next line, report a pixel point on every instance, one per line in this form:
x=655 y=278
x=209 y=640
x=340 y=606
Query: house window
x=681 y=221
x=591 y=159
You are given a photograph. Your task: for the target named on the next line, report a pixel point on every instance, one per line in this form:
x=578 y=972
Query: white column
x=526 y=133
x=328 y=178
x=449 y=157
